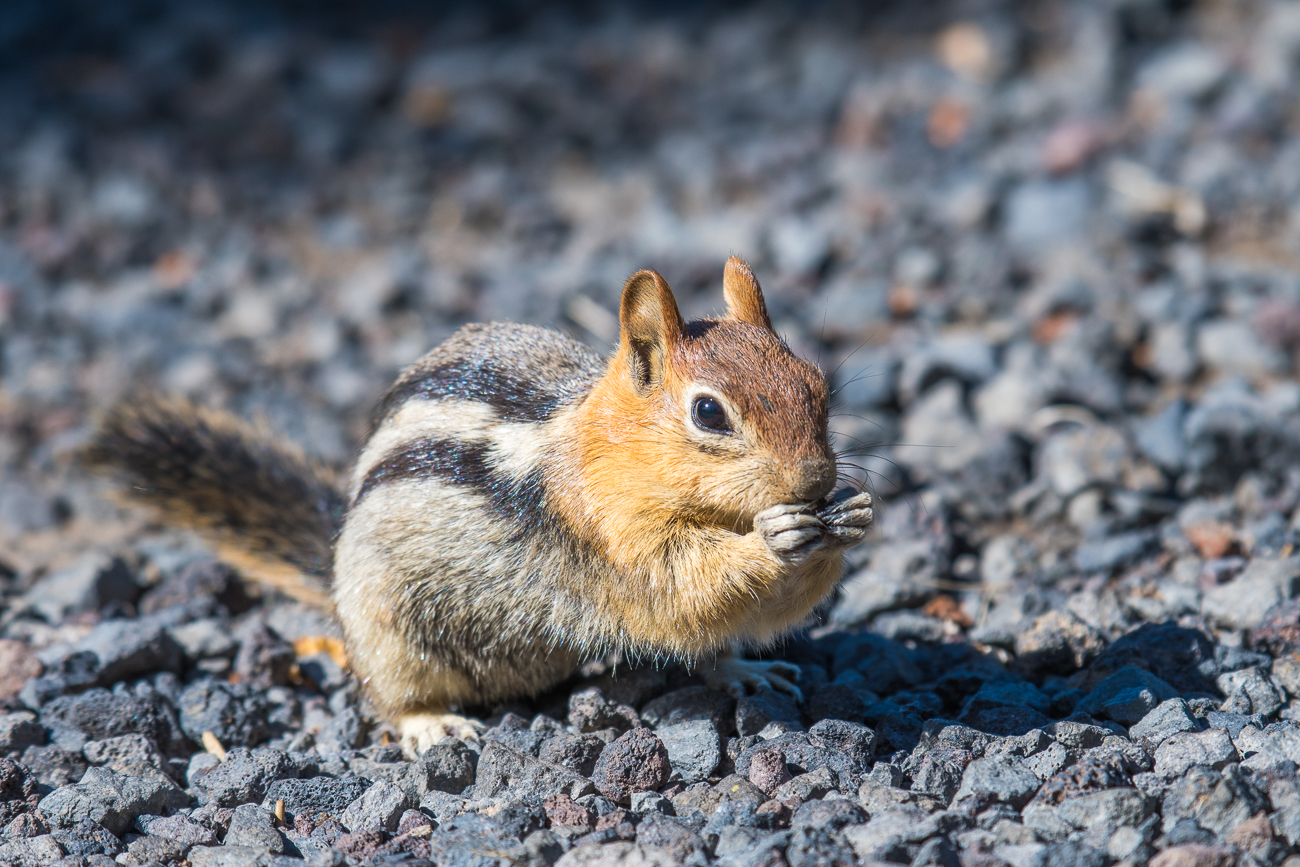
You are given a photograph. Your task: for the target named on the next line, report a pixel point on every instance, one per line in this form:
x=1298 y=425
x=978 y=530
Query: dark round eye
x=709 y=414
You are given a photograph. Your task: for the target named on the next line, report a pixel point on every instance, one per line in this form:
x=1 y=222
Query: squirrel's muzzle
x=812 y=479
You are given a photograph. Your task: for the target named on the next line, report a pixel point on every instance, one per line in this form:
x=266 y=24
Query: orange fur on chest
x=687 y=578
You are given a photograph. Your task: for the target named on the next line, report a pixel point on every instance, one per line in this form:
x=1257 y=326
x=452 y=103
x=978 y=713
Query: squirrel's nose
x=813 y=479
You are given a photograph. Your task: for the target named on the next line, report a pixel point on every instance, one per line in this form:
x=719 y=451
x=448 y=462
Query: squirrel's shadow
x=901 y=689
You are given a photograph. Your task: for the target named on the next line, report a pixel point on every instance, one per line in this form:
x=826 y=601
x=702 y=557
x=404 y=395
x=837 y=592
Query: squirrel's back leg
x=439 y=608
x=272 y=512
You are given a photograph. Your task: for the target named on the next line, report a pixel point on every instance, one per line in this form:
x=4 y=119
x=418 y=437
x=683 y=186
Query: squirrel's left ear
x=744 y=297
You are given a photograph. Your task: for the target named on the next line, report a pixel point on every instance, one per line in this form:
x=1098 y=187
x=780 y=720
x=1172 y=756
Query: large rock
x=98 y=714
x=130 y=648
x=690 y=703
x=616 y=854
x=18 y=664
x=853 y=741
x=635 y=762
x=231 y=856
x=18 y=731
x=1211 y=748
x=127 y=754
x=694 y=749
x=1045 y=213
x=18 y=790
x=1243 y=602
x=1278 y=743
x=1105 y=811
x=1170 y=717
x=939 y=434
x=1126 y=696
x=87 y=585
x=182 y=829
x=577 y=752
x=245 y=776
x=1058 y=642
x=38 y=851
x=1232 y=347
x=88 y=838
x=234 y=713
x=378 y=809
x=1251 y=691
x=1232 y=431
x=111 y=799
x=964 y=356
x=447 y=767
x=890 y=831
x=1080 y=457
x=1181 y=657
x=998 y=779
x=322 y=794
x=254 y=827
x=1278 y=634
x=754 y=712
x=506 y=773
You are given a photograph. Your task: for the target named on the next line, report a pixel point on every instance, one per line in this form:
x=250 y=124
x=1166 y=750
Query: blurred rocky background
x=1048 y=253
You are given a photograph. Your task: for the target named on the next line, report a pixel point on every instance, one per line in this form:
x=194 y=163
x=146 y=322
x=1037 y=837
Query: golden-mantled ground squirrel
x=523 y=504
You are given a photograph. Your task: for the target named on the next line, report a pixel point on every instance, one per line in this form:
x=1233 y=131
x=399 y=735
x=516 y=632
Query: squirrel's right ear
x=650 y=326
x=744 y=297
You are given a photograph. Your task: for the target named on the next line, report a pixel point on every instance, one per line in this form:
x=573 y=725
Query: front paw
x=791 y=532
x=847 y=516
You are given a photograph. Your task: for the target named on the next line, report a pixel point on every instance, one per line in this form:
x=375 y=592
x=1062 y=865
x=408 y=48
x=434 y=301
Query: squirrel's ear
x=650 y=326
x=744 y=297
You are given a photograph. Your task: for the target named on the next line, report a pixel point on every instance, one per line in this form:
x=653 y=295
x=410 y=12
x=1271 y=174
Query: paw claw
x=734 y=688
x=786 y=669
x=783 y=685
x=739 y=677
x=848 y=516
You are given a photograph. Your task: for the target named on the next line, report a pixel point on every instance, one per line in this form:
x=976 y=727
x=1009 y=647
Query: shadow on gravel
x=900 y=689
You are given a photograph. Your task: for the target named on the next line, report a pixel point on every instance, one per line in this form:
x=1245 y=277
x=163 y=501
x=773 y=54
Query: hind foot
x=422 y=730
x=734 y=675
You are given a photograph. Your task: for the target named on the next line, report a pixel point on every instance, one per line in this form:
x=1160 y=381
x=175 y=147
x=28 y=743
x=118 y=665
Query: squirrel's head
x=735 y=421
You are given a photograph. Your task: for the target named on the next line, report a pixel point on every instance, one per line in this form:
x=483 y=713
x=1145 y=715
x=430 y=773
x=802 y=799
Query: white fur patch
x=420 y=418
x=519 y=447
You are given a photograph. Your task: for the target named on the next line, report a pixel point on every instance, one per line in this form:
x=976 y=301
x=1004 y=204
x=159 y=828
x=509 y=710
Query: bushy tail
x=272 y=512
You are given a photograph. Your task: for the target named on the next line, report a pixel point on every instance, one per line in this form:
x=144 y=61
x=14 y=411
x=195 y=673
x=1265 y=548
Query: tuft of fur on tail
x=271 y=511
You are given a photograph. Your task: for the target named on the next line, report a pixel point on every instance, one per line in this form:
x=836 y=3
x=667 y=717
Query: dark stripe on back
x=466 y=465
x=512 y=398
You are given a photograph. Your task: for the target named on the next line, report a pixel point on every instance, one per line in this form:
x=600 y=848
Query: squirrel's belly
x=709 y=591
x=793 y=603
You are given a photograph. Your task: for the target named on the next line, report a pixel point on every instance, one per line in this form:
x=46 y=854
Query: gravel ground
x=1049 y=253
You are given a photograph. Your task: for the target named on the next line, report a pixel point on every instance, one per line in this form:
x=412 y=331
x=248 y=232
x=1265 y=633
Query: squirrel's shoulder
x=525 y=372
